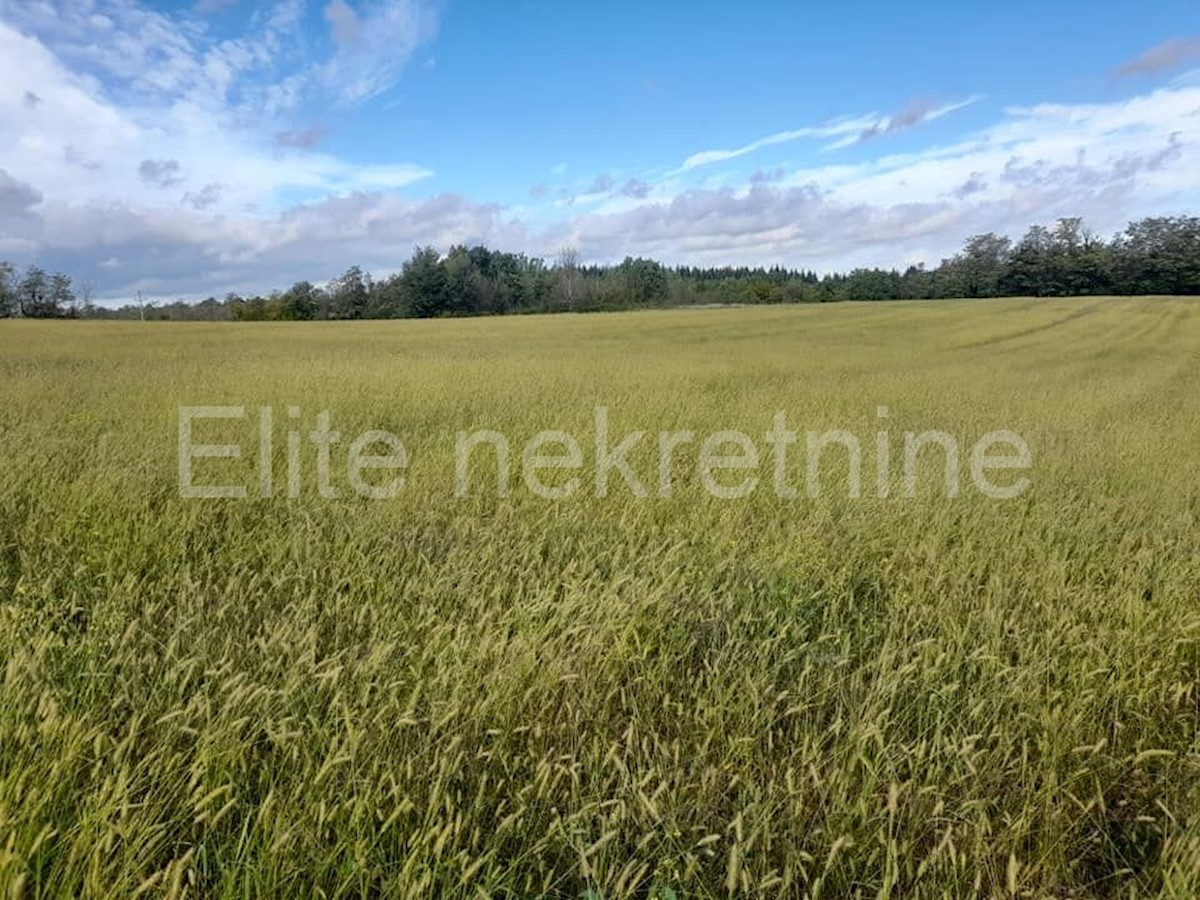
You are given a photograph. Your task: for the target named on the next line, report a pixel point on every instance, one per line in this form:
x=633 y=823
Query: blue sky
x=190 y=148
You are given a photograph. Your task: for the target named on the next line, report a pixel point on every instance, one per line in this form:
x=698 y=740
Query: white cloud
x=1108 y=162
x=910 y=117
x=848 y=130
x=1162 y=57
x=375 y=45
x=206 y=7
x=343 y=22
x=834 y=129
x=149 y=55
x=163 y=173
x=163 y=160
x=189 y=140
x=182 y=252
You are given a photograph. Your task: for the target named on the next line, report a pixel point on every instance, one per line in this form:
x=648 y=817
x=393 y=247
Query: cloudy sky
x=191 y=148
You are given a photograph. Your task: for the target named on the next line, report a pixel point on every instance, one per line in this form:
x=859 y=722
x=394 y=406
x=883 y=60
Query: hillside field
x=672 y=696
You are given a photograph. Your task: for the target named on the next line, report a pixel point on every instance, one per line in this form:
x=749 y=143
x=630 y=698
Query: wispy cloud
x=143 y=56
x=374 y=44
x=1109 y=162
x=911 y=116
x=207 y=196
x=767 y=176
x=166 y=159
x=1161 y=58
x=344 y=25
x=302 y=138
x=207 y=7
x=848 y=131
x=602 y=184
x=975 y=184
x=162 y=173
x=834 y=129
x=89 y=119
x=140 y=52
x=635 y=189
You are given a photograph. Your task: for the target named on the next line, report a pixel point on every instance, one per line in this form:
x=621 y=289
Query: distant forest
x=1151 y=256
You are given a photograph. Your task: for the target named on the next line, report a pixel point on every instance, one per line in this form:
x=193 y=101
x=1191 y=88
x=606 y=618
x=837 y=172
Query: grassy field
x=436 y=696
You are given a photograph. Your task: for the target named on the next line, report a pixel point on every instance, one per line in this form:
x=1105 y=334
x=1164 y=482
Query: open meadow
x=675 y=695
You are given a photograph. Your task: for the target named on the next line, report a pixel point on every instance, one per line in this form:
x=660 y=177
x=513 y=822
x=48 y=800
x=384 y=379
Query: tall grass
x=681 y=697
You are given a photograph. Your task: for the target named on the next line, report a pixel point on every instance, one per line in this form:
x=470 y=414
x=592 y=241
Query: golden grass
x=681 y=697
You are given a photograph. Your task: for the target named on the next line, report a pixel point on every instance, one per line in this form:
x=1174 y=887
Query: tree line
x=1151 y=256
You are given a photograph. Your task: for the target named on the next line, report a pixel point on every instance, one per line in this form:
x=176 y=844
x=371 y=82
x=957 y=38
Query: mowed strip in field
x=670 y=696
